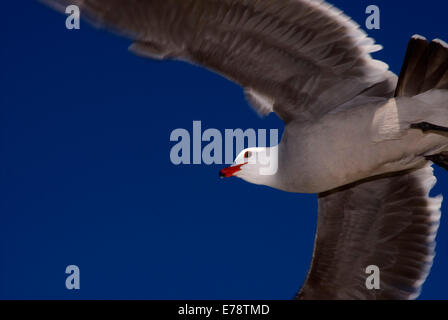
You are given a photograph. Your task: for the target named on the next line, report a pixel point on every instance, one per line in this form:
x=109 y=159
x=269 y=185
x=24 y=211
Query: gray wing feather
x=390 y=222
x=304 y=57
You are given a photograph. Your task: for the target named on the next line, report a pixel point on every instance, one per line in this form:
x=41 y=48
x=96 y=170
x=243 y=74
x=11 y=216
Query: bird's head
x=254 y=165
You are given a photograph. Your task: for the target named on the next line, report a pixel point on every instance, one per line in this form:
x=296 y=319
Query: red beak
x=230 y=171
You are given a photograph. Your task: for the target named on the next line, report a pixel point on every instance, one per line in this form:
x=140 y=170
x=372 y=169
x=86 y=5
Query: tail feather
x=425 y=67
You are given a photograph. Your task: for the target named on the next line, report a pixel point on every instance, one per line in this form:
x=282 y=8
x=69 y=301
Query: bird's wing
x=299 y=58
x=390 y=222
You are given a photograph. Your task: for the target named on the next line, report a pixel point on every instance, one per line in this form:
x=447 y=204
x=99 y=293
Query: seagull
x=356 y=134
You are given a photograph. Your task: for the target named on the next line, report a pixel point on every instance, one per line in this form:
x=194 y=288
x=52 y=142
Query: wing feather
x=304 y=55
x=390 y=222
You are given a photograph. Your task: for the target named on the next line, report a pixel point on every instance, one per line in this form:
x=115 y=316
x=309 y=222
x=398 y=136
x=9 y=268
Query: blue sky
x=86 y=177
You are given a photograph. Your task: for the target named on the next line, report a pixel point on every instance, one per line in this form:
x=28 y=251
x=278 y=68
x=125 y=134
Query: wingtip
x=441 y=42
x=418 y=37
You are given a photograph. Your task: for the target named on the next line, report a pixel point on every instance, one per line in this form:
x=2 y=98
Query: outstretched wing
x=299 y=58
x=391 y=223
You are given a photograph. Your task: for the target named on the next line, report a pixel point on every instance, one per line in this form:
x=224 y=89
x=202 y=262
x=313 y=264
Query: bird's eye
x=247 y=154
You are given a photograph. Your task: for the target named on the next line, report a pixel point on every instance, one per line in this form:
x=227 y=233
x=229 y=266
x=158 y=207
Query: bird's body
x=355 y=133
x=375 y=139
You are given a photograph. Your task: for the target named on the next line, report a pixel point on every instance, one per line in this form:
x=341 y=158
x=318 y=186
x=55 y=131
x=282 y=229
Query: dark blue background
x=86 y=177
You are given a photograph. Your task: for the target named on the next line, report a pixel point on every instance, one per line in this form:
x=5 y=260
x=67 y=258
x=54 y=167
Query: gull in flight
x=360 y=137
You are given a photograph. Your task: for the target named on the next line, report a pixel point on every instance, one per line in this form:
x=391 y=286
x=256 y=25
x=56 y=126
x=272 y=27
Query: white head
x=254 y=165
